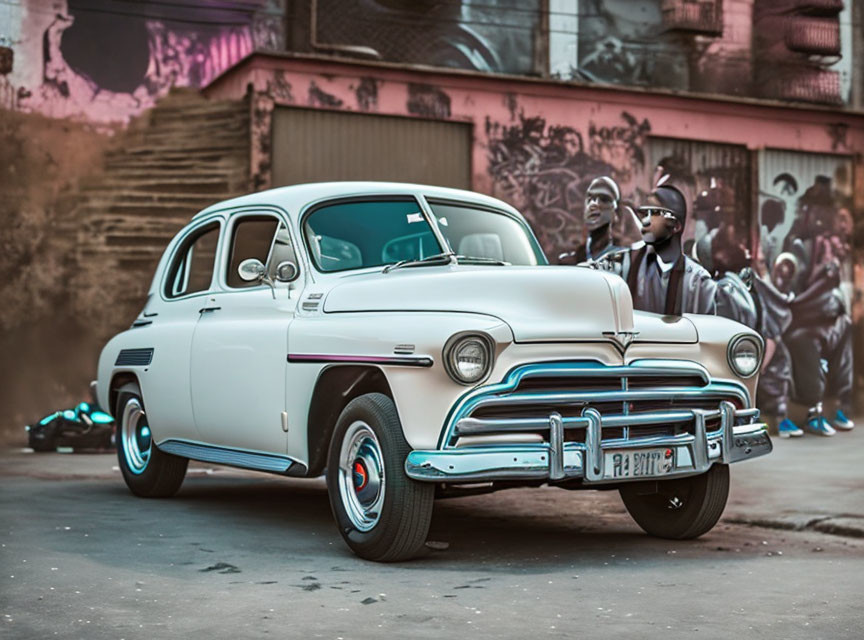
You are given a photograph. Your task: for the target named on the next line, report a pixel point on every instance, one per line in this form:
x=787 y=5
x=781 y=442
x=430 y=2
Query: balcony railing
x=812 y=85
x=820 y=7
x=695 y=16
x=816 y=36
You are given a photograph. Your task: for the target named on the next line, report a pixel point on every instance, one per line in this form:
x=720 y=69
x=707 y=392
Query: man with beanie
x=601 y=204
x=598 y=215
x=660 y=277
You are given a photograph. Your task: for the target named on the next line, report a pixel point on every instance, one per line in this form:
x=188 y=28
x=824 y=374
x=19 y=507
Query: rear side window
x=253 y=237
x=191 y=270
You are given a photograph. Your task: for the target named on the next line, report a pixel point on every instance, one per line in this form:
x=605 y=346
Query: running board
x=233 y=457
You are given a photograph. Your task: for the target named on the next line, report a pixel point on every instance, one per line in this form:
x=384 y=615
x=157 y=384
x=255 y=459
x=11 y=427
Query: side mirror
x=251 y=270
x=287 y=271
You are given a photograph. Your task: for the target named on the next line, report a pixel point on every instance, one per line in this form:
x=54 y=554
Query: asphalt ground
x=244 y=555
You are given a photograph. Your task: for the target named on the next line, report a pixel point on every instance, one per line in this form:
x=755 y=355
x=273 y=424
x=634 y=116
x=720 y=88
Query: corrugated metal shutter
x=715 y=179
x=315 y=145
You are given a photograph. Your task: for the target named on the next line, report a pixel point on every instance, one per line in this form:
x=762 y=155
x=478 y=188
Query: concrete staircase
x=183 y=155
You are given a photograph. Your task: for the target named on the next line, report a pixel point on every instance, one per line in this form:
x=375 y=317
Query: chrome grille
x=624 y=396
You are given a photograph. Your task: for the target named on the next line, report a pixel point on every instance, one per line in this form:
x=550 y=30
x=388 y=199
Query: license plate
x=642 y=463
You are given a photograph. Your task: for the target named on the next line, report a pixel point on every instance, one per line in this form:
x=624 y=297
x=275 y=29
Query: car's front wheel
x=148 y=472
x=382 y=514
x=679 y=508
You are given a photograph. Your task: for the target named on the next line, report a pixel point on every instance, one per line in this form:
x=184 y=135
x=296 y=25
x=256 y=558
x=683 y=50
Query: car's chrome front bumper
x=740 y=436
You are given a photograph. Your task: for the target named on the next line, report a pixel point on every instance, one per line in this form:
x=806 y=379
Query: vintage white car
x=411 y=341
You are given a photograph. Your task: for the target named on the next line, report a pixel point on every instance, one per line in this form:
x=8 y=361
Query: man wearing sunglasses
x=661 y=278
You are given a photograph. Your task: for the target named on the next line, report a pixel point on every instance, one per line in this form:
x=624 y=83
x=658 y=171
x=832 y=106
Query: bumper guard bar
x=739 y=437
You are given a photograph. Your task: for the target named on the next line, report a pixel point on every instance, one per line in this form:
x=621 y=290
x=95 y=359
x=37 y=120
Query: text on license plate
x=637 y=464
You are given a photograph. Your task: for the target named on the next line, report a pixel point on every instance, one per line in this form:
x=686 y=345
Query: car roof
x=293 y=198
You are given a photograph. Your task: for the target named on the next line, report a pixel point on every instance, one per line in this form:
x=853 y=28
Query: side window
x=253 y=237
x=191 y=270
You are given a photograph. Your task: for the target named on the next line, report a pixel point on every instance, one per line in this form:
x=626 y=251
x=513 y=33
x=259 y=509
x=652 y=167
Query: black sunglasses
x=648 y=211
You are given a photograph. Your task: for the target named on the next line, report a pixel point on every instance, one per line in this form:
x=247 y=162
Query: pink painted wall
x=591 y=129
x=477 y=99
x=762 y=180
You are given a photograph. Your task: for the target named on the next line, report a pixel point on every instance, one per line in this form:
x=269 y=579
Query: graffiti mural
x=98 y=61
x=428 y=102
x=653 y=43
x=805 y=207
x=783 y=49
x=544 y=169
x=366 y=93
x=483 y=35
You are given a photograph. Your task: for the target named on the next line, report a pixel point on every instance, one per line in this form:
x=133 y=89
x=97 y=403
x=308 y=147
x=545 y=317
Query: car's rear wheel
x=148 y=472
x=382 y=514
x=679 y=508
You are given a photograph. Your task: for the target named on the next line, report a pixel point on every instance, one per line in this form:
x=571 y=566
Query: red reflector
x=360 y=476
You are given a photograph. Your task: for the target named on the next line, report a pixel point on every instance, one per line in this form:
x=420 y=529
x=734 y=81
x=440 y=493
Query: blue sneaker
x=788 y=429
x=842 y=422
x=819 y=425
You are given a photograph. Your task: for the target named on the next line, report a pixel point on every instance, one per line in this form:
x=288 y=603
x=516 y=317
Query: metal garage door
x=715 y=179
x=311 y=146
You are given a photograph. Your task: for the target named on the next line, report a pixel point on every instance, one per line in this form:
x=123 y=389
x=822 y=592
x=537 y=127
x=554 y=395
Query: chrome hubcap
x=135 y=437
x=361 y=476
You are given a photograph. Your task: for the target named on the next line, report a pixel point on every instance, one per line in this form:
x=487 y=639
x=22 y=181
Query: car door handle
x=203 y=309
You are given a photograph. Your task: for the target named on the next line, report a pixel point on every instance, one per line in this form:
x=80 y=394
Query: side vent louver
x=312 y=302
x=134 y=358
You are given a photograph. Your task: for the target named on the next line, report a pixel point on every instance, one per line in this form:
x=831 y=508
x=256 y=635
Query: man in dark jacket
x=661 y=278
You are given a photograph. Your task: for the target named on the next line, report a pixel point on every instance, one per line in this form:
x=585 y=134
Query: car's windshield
x=373 y=233
x=480 y=233
x=354 y=235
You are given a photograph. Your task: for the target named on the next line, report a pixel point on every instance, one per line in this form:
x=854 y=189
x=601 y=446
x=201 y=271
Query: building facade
x=754 y=107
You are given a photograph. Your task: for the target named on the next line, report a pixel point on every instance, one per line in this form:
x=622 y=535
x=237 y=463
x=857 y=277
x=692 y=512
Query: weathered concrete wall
x=84 y=219
x=45 y=354
x=43 y=162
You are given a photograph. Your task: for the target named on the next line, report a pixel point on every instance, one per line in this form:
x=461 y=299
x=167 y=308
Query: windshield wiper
x=501 y=263
x=414 y=261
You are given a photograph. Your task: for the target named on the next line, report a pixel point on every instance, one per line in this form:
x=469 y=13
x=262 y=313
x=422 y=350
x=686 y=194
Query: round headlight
x=745 y=355
x=468 y=358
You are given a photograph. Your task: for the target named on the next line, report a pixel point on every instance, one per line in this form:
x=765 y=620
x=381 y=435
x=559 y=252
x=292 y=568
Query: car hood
x=541 y=304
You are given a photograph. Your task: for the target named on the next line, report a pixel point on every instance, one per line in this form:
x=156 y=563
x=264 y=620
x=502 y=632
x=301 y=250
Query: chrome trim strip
x=574 y=397
x=403 y=361
x=228 y=456
x=482 y=426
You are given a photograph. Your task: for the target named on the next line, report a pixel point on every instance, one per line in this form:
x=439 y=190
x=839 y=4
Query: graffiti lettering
x=367 y=94
x=543 y=170
x=320 y=98
x=428 y=101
